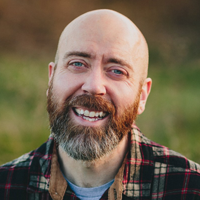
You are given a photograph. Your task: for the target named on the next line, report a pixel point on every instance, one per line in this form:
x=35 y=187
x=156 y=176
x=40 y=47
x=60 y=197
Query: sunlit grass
x=171 y=117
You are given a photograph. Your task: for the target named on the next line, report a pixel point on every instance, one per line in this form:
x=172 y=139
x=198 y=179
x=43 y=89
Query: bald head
x=106 y=27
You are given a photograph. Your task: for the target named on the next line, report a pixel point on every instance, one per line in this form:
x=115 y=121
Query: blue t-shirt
x=94 y=193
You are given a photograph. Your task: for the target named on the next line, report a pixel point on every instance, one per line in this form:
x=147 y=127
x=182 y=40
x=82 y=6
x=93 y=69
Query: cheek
x=65 y=86
x=122 y=97
x=123 y=103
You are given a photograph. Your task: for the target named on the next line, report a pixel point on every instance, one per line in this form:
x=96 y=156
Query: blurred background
x=29 y=32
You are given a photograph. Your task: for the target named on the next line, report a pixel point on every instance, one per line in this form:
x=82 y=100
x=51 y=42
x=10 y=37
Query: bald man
x=97 y=86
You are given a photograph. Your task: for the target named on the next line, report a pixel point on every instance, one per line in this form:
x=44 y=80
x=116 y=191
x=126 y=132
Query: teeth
x=101 y=114
x=90 y=119
x=87 y=118
x=90 y=115
x=86 y=113
x=78 y=111
x=104 y=114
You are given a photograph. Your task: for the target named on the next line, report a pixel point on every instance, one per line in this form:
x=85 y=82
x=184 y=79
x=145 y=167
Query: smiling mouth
x=90 y=115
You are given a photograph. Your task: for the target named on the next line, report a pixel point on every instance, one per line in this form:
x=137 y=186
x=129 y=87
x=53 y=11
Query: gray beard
x=85 y=143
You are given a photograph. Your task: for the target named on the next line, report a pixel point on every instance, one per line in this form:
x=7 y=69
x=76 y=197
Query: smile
x=90 y=115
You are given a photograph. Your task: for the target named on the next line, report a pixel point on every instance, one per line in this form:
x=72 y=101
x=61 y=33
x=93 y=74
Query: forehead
x=97 y=46
x=99 y=41
x=105 y=36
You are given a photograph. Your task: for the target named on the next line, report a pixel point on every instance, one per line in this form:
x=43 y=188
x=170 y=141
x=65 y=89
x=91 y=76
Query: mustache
x=92 y=102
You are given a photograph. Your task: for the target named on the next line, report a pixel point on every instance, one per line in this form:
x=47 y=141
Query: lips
x=90 y=115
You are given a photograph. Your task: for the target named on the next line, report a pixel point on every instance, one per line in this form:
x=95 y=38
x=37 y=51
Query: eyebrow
x=88 y=55
x=78 y=53
x=120 y=62
x=117 y=61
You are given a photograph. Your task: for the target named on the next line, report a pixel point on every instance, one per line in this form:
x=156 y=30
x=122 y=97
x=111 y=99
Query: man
x=97 y=86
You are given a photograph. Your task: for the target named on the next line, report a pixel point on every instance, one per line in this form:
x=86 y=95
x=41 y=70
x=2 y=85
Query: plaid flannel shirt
x=149 y=171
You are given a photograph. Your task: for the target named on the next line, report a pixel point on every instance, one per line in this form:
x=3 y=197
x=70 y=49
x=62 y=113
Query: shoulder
x=22 y=160
x=175 y=174
x=172 y=174
x=14 y=177
x=173 y=159
x=16 y=174
x=157 y=153
x=166 y=173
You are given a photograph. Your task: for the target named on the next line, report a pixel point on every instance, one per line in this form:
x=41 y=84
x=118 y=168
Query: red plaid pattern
x=151 y=171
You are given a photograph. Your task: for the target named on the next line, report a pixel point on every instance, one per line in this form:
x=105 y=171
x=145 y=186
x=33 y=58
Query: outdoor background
x=29 y=31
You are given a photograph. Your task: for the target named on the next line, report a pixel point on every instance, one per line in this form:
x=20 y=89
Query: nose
x=94 y=83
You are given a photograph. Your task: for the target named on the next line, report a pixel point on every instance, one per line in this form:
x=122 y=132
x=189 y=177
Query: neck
x=93 y=173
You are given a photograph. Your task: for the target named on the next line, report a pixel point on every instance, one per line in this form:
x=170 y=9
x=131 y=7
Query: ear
x=146 y=88
x=51 y=72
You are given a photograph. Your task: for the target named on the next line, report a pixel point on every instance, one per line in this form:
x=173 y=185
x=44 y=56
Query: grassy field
x=171 y=118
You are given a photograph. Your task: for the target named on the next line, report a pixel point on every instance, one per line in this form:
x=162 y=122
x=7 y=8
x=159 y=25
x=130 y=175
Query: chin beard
x=88 y=143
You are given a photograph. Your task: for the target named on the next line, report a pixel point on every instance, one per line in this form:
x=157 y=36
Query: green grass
x=23 y=119
x=171 y=117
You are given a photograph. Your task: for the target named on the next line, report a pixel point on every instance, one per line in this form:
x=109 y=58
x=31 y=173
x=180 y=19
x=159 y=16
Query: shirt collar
x=58 y=184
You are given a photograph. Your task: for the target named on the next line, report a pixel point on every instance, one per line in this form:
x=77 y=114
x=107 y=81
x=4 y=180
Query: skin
x=100 y=53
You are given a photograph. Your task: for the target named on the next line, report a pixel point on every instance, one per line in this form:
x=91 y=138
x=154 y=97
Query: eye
x=77 y=64
x=116 y=71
